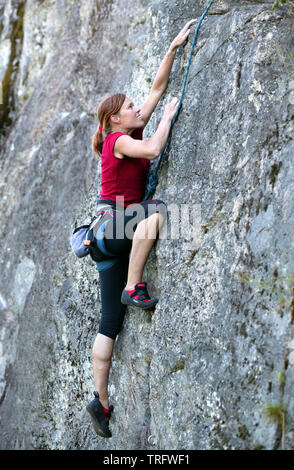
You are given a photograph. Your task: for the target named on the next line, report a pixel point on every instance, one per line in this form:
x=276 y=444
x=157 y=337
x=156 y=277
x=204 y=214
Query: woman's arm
x=161 y=80
x=151 y=148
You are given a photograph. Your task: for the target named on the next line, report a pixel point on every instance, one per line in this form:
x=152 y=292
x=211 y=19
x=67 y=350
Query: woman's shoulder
x=108 y=145
x=110 y=139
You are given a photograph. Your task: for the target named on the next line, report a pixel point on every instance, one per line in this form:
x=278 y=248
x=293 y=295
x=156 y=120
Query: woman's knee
x=102 y=348
x=148 y=228
x=100 y=357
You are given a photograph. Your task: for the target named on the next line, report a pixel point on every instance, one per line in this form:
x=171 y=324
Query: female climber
x=125 y=160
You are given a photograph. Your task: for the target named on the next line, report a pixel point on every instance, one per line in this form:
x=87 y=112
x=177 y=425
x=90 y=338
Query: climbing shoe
x=100 y=416
x=138 y=297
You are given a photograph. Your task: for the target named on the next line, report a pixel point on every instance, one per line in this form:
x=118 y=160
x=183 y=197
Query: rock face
x=198 y=372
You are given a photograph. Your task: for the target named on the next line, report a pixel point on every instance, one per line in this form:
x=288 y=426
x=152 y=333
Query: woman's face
x=130 y=116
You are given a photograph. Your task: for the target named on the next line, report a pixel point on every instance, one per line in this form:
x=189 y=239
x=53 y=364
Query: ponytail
x=97 y=141
x=109 y=106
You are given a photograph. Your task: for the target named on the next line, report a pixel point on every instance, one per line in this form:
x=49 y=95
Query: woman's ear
x=115 y=119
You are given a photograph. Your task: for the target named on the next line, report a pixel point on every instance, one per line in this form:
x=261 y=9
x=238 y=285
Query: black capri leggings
x=113 y=272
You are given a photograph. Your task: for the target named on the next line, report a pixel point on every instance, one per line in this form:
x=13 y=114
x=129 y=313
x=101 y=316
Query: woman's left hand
x=182 y=36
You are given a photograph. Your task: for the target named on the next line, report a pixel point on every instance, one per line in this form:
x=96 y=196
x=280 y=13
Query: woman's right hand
x=171 y=108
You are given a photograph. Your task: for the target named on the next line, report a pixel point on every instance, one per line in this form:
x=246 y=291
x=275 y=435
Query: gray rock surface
x=198 y=372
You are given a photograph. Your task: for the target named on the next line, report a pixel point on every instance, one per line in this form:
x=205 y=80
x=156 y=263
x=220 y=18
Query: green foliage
x=276 y=413
x=290 y=4
x=282 y=377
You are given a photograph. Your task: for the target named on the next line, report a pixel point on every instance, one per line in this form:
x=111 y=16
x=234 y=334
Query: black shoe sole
x=96 y=424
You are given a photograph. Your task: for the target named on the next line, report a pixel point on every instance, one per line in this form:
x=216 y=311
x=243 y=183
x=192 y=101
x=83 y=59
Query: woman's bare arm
x=151 y=148
x=161 y=80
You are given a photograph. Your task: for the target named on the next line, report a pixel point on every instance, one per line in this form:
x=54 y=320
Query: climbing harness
x=153 y=175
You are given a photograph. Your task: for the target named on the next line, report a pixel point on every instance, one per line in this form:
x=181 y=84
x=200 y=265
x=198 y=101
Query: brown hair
x=108 y=106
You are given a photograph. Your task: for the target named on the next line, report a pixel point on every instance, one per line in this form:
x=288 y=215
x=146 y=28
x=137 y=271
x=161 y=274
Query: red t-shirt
x=125 y=177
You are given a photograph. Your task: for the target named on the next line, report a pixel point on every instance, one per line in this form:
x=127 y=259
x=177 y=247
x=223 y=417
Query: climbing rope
x=153 y=176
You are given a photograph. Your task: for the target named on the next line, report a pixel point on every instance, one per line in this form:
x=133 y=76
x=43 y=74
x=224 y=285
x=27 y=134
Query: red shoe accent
x=130 y=291
x=137 y=296
x=106 y=411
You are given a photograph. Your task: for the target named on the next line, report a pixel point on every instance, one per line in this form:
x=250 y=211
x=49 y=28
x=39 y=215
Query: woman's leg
x=112 y=282
x=143 y=240
x=102 y=354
